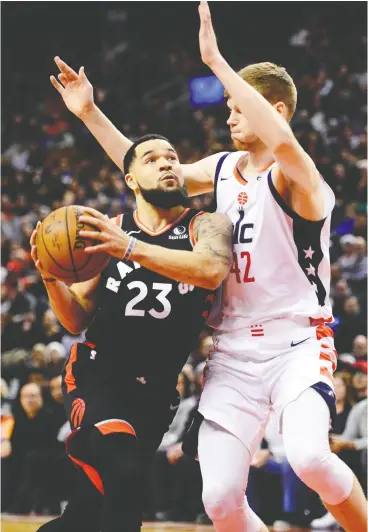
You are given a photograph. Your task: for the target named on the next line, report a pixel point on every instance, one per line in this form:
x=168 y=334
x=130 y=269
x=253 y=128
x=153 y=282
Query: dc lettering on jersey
x=243 y=232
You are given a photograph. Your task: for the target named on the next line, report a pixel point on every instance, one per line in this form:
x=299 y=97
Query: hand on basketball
x=113 y=240
x=75 y=89
x=34 y=255
x=207 y=38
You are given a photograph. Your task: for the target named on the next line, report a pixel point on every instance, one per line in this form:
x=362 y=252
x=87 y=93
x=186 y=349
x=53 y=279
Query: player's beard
x=166 y=198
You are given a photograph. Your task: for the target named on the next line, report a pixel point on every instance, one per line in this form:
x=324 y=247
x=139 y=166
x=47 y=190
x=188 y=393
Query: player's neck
x=154 y=218
x=259 y=158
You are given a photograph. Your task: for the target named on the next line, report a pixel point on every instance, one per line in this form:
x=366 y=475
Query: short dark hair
x=130 y=154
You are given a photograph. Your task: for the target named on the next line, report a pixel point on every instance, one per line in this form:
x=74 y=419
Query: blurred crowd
x=49 y=159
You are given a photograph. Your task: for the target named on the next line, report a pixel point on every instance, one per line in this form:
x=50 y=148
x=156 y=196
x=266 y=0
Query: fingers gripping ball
x=60 y=248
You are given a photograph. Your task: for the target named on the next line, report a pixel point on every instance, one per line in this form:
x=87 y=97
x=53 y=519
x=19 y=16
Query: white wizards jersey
x=281 y=264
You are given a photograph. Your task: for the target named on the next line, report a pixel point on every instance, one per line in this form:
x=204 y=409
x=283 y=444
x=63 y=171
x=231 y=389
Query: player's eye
x=150 y=161
x=172 y=157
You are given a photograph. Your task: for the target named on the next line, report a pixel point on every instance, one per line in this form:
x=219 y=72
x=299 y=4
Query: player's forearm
x=263 y=119
x=67 y=306
x=183 y=266
x=109 y=137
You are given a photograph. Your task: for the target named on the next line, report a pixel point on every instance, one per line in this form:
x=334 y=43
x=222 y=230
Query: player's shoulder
x=211 y=220
x=230 y=160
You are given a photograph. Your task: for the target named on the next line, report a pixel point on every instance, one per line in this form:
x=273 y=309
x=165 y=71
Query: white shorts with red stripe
x=263 y=368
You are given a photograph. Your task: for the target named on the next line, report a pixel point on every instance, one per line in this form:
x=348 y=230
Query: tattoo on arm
x=213 y=233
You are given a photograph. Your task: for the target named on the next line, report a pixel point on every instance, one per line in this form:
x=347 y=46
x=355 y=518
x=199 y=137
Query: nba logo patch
x=242 y=198
x=93 y=354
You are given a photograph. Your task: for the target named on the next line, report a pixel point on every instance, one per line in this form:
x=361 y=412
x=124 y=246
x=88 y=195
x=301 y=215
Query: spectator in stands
x=352 y=324
x=7 y=424
x=57 y=404
x=360 y=347
x=36 y=367
x=344 y=401
x=355 y=439
x=348 y=259
x=360 y=380
x=56 y=354
x=339 y=294
x=33 y=435
x=52 y=330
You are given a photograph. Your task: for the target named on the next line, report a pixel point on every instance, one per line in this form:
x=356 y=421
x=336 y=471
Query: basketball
x=60 y=247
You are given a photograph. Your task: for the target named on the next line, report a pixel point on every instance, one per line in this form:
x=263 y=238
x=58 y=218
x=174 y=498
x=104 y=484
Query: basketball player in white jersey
x=272 y=349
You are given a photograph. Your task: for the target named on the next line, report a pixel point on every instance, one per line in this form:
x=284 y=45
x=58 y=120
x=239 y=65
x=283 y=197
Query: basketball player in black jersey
x=143 y=315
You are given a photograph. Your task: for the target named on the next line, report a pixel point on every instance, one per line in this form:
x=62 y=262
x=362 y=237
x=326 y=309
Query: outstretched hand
x=75 y=89
x=207 y=39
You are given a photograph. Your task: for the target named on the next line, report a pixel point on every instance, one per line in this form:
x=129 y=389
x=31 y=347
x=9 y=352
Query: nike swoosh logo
x=224 y=178
x=259 y=177
x=297 y=343
x=174 y=407
x=134 y=232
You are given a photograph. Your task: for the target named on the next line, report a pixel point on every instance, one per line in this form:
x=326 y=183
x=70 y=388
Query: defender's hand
x=113 y=240
x=75 y=89
x=32 y=243
x=207 y=39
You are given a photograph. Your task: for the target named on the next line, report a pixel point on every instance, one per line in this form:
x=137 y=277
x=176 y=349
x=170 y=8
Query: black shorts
x=133 y=405
x=91 y=398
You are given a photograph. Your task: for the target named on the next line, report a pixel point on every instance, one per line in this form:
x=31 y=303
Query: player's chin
x=240 y=145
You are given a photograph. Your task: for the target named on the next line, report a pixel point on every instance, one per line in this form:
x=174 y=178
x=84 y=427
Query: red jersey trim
x=166 y=228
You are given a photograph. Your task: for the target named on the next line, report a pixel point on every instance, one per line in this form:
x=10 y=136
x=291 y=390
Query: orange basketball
x=60 y=248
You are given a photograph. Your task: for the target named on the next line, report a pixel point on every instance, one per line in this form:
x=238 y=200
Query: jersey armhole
x=285 y=207
x=217 y=173
x=192 y=238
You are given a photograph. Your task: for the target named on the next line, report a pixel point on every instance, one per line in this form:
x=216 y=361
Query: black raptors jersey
x=147 y=324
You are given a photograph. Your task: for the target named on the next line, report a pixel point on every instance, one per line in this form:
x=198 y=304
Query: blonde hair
x=273 y=82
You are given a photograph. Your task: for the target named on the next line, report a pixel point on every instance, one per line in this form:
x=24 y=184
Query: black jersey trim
x=307 y=236
x=284 y=206
x=306 y=233
x=217 y=173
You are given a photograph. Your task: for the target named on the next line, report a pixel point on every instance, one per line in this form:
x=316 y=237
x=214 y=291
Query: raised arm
x=206 y=266
x=77 y=93
x=294 y=165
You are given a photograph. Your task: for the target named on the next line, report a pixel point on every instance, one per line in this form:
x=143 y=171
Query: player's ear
x=281 y=109
x=131 y=181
